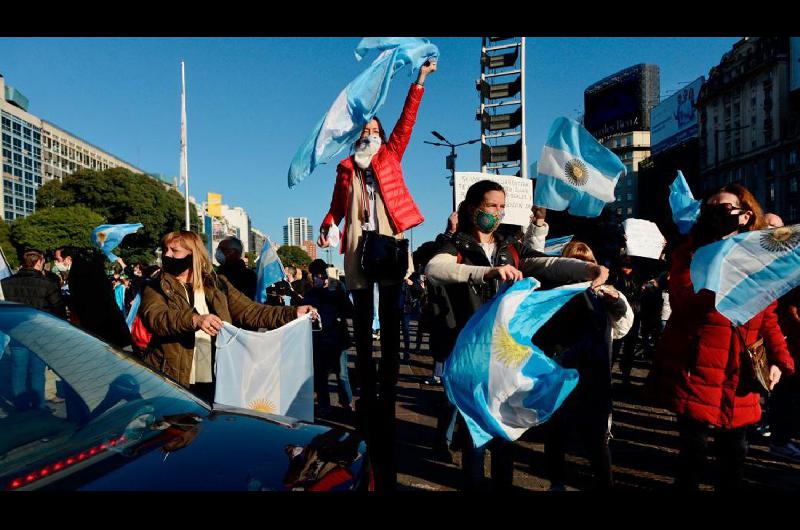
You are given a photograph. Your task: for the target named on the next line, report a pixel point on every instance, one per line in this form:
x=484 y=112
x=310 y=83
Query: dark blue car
x=78 y=414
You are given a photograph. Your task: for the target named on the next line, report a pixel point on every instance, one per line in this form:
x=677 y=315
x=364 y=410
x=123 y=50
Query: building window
x=6 y=124
x=793 y=157
x=9 y=216
x=7 y=169
x=630 y=210
x=629 y=196
x=771 y=191
x=19 y=189
x=771 y=165
x=6 y=140
x=29 y=206
x=793 y=185
x=16 y=128
x=8 y=186
x=6 y=153
x=20 y=203
x=17 y=172
x=8 y=200
x=17 y=144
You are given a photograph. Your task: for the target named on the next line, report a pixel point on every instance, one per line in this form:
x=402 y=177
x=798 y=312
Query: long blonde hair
x=201 y=264
x=578 y=250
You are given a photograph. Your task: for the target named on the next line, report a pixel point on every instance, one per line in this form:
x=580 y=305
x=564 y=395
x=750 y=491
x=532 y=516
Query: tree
x=293 y=256
x=8 y=247
x=51 y=228
x=121 y=196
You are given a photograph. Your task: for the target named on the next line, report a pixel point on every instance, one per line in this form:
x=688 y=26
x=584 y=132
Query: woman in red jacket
x=371 y=195
x=699 y=371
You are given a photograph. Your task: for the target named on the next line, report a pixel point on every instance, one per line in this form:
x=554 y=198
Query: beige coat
x=352 y=257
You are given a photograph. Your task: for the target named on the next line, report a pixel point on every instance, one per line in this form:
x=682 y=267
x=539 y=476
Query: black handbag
x=383 y=258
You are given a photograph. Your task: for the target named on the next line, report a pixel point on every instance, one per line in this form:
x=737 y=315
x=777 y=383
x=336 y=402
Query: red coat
x=403 y=212
x=697 y=364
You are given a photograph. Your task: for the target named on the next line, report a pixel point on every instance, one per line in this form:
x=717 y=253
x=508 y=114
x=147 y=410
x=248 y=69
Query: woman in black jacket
x=471 y=266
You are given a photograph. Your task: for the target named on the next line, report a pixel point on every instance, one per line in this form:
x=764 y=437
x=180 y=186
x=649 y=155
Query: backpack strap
x=512 y=249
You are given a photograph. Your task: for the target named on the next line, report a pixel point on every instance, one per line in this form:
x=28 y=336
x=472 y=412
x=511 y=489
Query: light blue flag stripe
x=359 y=102
x=108 y=237
x=468 y=377
x=134 y=310
x=748 y=271
x=557 y=195
x=270 y=271
x=685 y=208
x=554 y=247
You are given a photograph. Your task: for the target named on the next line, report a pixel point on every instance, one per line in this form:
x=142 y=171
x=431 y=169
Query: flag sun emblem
x=263 y=405
x=576 y=171
x=101 y=237
x=509 y=351
x=781 y=239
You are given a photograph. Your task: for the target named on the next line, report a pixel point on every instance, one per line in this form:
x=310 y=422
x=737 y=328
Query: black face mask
x=175 y=266
x=717 y=221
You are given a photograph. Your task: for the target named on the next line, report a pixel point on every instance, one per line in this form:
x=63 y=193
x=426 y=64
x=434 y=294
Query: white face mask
x=60 y=267
x=366 y=149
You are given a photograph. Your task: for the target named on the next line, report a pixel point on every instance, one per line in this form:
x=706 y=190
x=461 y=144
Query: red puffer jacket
x=697 y=364
x=403 y=212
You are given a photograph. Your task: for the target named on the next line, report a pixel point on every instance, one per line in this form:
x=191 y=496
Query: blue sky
x=252 y=101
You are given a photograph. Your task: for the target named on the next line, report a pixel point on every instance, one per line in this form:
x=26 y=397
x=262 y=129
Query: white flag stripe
x=750 y=258
x=337 y=122
x=553 y=161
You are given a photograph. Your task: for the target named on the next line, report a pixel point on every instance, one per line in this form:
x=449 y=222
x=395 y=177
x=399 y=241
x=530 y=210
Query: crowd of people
x=632 y=310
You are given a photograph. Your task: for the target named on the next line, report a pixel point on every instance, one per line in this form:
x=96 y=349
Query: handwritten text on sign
x=643 y=238
x=519 y=194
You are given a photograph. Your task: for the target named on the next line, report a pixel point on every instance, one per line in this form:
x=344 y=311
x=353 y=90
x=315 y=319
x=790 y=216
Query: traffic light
x=495 y=154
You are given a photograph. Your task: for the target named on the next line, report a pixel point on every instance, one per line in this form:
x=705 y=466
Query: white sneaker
x=789 y=451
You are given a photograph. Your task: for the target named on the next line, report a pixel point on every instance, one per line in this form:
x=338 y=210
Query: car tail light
x=62 y=464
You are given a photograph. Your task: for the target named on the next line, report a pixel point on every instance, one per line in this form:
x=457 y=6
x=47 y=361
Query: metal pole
x=483 y=136
x=453 y=174
x=523 y=172
x=184 y=151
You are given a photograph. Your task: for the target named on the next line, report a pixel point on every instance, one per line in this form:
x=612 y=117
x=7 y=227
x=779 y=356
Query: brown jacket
x=165 y=310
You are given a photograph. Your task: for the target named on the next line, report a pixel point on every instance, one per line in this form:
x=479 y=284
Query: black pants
x=375 y=408
x=592 y=426
x=783 y=410
x=473 y=459
x=730 y=450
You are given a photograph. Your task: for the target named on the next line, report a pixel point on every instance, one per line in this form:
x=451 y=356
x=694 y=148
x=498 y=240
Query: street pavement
x=644 y=445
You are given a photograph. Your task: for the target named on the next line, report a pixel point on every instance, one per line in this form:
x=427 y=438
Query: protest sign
x=519 y=194
x=643 y=238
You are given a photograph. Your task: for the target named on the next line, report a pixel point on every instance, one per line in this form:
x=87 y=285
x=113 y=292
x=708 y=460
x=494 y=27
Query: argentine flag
x=270 y=270
x=131 y=316
x=500 y=381
x=748 y=271
x=108 y=237
x=359 y=102
x=685 y=208
x=575 y=171
x=553 y=247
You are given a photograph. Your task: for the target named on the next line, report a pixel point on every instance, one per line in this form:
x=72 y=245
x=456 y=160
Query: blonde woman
x=185 y=307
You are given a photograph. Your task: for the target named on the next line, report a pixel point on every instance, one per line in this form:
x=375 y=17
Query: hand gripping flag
x=108 y=237
x=575 y=171
x=748 y=271
x=685 y=208
x=359 y=102
x=270 y=270
x=553 y=247
x=269 y=371
x=500 y=381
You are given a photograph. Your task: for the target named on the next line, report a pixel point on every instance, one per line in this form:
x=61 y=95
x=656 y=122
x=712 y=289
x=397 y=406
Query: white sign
x=643 y=238
x=519 y=194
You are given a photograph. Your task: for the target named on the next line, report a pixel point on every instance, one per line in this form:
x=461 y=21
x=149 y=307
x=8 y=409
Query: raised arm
x=401 y=134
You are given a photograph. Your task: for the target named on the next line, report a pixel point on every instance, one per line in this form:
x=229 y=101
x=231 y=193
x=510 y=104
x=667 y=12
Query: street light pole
x=451 y=159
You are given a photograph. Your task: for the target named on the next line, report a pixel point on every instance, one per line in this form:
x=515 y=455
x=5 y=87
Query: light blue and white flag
x=500 y=381
x=270 y=371
x=108 y=237
x=133 y=310
x=359 y=102
x=576 y=172
x=685 y=208
x=553 y=247
x=748 y=271
x=270 y=270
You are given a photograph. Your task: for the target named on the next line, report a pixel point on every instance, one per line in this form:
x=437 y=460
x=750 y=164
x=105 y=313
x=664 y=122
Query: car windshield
x=66 y=395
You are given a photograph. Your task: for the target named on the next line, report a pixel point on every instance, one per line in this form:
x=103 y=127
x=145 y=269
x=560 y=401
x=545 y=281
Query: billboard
x=621 y=102
x=519 y=194
x=794 y=68
x=675 y=120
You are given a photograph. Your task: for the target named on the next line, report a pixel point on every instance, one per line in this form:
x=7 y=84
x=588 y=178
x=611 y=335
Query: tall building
x=311 y=248
x=237 y=217
x=750 y=123
x=617 y=113
x=36 y=151
x=296 y=230
x=259 y=239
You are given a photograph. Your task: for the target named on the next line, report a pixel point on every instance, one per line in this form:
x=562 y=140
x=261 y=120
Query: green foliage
x=120 y=196
x=293 y=256
x=8 y=247
x=51 y=228
x=251 y=259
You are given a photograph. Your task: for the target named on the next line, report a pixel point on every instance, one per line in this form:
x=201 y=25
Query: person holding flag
x=471 y=266
x=701 y=370
x=185 y=308
x=372 y=198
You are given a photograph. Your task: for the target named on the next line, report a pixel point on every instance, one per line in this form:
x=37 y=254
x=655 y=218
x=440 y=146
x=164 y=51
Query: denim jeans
x=27 y=378
x=406 y=325
x=343 y=381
